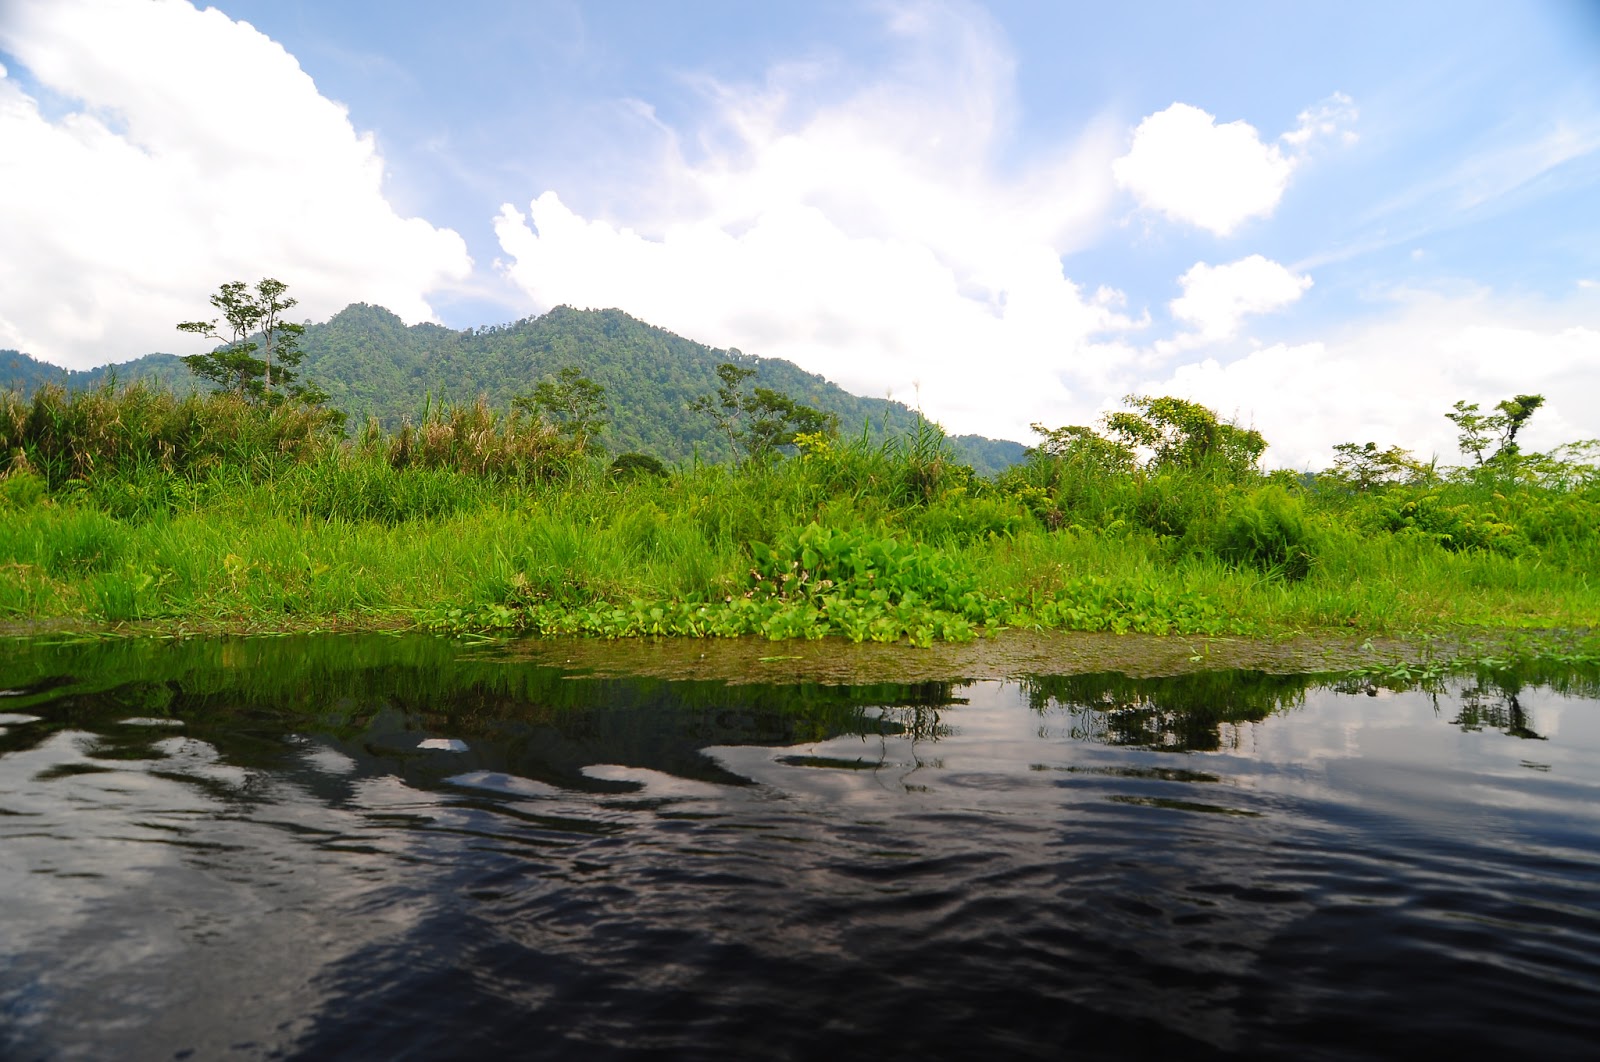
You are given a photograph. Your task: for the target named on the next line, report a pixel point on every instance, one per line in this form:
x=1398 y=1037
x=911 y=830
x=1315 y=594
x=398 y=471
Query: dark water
x=395 y=848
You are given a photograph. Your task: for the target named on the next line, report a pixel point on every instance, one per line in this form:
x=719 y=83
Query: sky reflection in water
x=381 y=845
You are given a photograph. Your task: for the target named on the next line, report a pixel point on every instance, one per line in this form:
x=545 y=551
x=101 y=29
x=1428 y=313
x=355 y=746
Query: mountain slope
x=371 y=363
x=19 y=372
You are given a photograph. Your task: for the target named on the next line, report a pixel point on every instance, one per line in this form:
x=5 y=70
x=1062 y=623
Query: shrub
x=1460 y=527
x=632 y=466
x=1173 y=503
x=961 y=519
x=1269 y=529
x=22 y=490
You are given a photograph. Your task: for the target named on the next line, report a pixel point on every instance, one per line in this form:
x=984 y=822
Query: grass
x=137 y=506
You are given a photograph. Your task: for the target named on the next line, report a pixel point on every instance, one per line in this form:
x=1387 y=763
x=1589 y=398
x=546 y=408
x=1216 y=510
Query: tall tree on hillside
x=251 y=321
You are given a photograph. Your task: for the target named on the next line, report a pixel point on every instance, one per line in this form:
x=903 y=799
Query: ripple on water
x=620 y=868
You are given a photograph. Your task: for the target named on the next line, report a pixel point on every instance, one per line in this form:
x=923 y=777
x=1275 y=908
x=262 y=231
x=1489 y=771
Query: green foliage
x=93 y=435
x=1162 y=469
x=957 y=519
x=346 y=487
x=131 y=504
x=1173 y=503
x=1083 y=448
x=627 y=466
x=1137 y=605
x=1185 y=435
x=1363 y=467
x=79 y=541
x=1465 y=525
x=758 y=422
x=22 y=488
x=575 y=404
x=928 y=465
x=126 y=594
x=233 y=366
x=1269 y=529
x=373 y=365
x=1479 y=430
x=476 y=440
x=865 y=587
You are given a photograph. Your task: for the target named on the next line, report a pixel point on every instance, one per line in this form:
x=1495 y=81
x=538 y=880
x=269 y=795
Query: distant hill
x=370 y=362
x=19 y=372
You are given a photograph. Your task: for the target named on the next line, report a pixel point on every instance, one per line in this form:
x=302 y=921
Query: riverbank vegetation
x=222 y=509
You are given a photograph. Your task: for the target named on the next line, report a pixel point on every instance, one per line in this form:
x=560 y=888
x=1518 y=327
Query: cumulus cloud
x=1390 y=380
x=1216 y=298
x=193 y=150
x=869 y=239
x=1187 y=166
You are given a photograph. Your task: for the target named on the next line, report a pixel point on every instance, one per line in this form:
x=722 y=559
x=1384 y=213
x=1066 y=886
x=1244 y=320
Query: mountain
x=19 y=372
x=371 y=363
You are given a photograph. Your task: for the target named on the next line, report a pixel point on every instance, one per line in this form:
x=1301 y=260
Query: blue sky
x=1329 y=221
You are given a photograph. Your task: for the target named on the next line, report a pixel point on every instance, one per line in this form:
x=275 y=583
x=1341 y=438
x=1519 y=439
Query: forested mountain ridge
x=20 y=372
x=371 y=362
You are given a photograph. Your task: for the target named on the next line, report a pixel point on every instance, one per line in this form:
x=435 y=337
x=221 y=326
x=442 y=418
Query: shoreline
x=1004 y=654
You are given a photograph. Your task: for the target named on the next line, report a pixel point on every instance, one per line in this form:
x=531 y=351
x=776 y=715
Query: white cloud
x=199 y=153
x=1391 y=380
x=1333 y=118
x=1216 y=298
x=1185 y=165
x=869 y=240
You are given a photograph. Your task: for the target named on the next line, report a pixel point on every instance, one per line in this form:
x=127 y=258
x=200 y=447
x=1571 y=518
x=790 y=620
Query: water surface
x=402 y=847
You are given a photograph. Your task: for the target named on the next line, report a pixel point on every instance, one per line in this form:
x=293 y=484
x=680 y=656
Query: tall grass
x=108 y=433
x=137 y=505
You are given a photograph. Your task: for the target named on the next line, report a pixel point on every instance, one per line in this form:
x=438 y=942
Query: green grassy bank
x=131 y=505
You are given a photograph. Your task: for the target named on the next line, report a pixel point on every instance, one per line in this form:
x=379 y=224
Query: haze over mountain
x=370 y=362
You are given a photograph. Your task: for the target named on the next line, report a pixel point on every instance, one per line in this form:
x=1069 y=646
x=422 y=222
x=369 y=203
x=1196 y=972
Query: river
x=406 y=847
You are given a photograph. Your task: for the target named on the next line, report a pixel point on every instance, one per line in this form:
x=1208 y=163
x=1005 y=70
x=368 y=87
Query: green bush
x=22 y=490
x=631 y=466
x=866 y=587
x=1460 y=527
x=1270 y=530
x=960 y=519
x=1172 y=504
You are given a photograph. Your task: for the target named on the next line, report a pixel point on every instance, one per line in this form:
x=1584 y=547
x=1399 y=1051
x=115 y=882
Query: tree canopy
x=251 y=321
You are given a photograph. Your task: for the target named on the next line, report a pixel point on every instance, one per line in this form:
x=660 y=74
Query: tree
x=1184 y=434
x=250 y=316
x=775 y=420
x=575 y=404
x=1080 y=445
x=727 y=404
x=761 y=421
x=1478 y=429
x=1363 y=466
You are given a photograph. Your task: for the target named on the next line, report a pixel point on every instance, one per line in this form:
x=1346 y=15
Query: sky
x=1328 y=222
